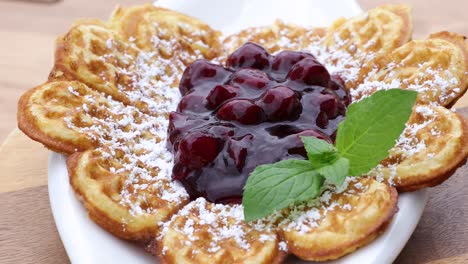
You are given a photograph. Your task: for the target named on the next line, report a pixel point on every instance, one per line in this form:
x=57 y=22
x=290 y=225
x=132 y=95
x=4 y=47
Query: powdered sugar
x=222 y=222
x=434 y=85
x=339 y=60
x=140 y=138
x=409 y=144
x=307 y=216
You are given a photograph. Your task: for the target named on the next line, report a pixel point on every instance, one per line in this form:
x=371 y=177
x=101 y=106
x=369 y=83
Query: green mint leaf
x=319 y=151
x=336 y=172
x=372 y=126
x=326 y=160
x=276 y=186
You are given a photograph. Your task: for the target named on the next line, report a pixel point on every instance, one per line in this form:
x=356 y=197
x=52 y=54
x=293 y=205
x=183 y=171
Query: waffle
x=355 y=43
x=108 y=96
x=126 y=202
x=203 y=232
x=172 y=34
x=345 y=220
x=423 y=157
x=276 y=37
x=42 y=111
x=439 y=61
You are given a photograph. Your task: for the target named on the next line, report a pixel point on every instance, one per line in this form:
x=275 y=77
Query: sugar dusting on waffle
x=215 y=224
x=408 y=144
x=139 y=136
x=338 y=60
x=423 y=83
x=304 y=217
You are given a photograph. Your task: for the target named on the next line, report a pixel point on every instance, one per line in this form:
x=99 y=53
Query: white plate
x=85 y=242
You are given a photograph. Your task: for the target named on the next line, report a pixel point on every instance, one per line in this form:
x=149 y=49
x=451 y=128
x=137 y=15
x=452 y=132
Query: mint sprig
x=364 y=138
x=294 y=180
x=372 y=126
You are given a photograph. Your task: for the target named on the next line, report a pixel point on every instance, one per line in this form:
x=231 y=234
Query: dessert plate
x=86 y=242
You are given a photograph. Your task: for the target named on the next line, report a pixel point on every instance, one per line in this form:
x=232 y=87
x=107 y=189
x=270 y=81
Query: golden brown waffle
x=114 y=83
x=203 y=232
x=170 y=34
x=123 y=195
x=279 y=36
x=41 y=113
x=435 y=68
x=107 y=63
x=352 y=45
x=377 y=31
x=344 y=221
x=433 y=145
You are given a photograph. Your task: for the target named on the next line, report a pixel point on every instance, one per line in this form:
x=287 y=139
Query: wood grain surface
x=27 y=230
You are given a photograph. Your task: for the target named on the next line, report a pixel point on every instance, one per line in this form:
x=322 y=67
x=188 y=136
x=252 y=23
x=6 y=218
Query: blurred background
x=28 y=29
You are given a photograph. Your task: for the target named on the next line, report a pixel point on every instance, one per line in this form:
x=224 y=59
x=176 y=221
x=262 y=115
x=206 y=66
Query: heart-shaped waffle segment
x=203 y=232
x=124 y=190
x=274 y=38
x=378 y=31
x=428 y=151
x=344 y=220
x=114 y=83
x=435 y=67
x=107 y=63
x=352 y=45
x=171 y=34
x=44 y=111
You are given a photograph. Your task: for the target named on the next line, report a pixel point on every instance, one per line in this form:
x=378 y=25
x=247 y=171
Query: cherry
x=238 y=150
x=223 y=131
x=314 y=133
x=198 y=73
x=322 y=120
x=192 y=102
x=295 y=144
x=250 y=78
x=250 y=55
x=337 y=82
x=236 y=199
x=338 y=85
x=310 y=72
x=329 y=105
x=198 y=149
x=241 y=110
x=284 y=60
x=221 y=93
x=180 y=123
x=179 y=171
x=280 y=103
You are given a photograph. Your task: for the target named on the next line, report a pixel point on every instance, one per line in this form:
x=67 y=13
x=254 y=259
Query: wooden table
x=27 y=230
